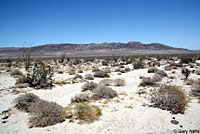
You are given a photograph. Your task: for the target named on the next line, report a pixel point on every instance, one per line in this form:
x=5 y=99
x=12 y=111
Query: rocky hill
x=92 y=49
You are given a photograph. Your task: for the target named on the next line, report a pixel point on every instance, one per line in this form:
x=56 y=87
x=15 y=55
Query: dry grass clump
x=43 y=113
x=113 y=82
x=152 y=70
x=89 y=77
x=104 y=92
x=101 y=74
x=89 y=86
x=16 y=72
x=84 y=112
x=170 y=98
x=24 y=102
x=147 y=81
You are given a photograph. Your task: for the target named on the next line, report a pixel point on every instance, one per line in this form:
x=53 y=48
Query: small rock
x=3 y=121
x=173 y=118
x=175 y=122
x=5 y=117
x=6 y=111
x=181 y=126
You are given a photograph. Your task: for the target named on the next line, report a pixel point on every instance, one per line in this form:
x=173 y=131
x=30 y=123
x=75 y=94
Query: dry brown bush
x=24 y=102
x=45 y=113
x=170 y=98
x=82 y=97
x=147 y=81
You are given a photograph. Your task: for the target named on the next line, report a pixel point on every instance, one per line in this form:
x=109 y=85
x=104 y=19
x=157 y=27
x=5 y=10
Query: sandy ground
x=126 y=114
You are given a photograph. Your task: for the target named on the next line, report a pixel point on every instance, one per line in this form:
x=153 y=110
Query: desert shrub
x=41 y=76
x=198 y=71
x=104 y=63
x=168 y=68
x=106 y=70
x=80 y=71
x=78 y=76
x=72 y=71
x=138 y=65
x=16 y=72
x=186 y=60
x=156 y=78
x=106 y=82
x=22 y=79
x=152 y=70
x=62 y=58
x=89 y=86
x=161 y=73
x=84 y=112
x=89 y=77
x=82 y=97
x=95 y=69
x=119 y=82
x=196 y=89
x=147 y=81
x=113 y=82
x=169 y=98
x=127 y=69
x=101 y=74
x=45 y=113
x=104 y=92
x=24 y=102
x=185 y=72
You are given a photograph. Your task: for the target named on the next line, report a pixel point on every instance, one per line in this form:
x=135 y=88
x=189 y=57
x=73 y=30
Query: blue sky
x=172 y=22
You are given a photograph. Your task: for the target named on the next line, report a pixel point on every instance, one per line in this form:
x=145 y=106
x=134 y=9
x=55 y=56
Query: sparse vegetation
x=113 y=82
x=138 y=65
x=104 y=92
x=185 y=72
x=24 y=102
x=84 y=112
x=16 y=72
x=101 y=74
x=170 y=98
x=45 y=113
x=147 y=81
x=89 y=86
x=89 y=77
x=196 y=89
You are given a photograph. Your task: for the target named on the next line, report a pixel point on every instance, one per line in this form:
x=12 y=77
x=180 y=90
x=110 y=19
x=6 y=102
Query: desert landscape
x=154 y=94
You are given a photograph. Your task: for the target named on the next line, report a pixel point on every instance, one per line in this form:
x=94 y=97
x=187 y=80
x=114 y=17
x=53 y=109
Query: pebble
x=175 y=122
x=3 y=121
x=5 y=117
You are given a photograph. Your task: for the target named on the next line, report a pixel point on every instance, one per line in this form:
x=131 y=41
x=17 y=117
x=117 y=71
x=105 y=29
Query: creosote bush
x=170 y=98
x=43 y=113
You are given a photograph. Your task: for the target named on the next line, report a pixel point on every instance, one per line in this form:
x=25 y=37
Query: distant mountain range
x=93 y=49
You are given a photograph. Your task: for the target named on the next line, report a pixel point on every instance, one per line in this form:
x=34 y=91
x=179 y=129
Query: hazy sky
x=172 y=22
